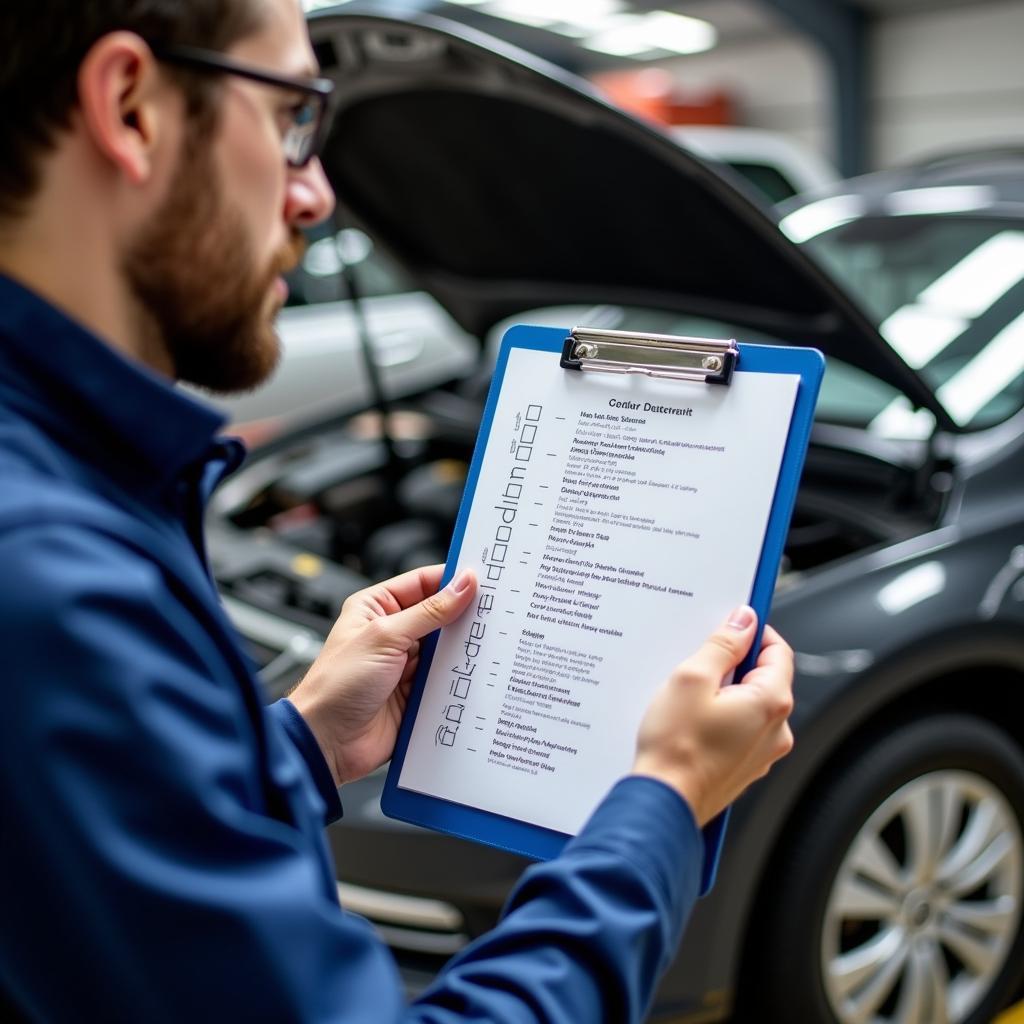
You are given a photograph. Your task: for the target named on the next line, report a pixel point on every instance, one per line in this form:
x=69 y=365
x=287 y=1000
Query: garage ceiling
x=738 y=20
x=735 y=20
x=837 y=27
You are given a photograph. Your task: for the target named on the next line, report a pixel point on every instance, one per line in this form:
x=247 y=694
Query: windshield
x=947 y=292
x=848 y=396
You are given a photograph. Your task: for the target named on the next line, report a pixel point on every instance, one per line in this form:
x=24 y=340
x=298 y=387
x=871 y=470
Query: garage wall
x=778 y=81
x=948 y=79
x=938 y=80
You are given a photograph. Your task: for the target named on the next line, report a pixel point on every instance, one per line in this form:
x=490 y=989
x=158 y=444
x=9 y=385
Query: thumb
x=434 y=611
x=724 y=649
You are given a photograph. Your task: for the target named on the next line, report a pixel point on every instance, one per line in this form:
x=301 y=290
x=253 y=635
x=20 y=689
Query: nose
x=309 y=198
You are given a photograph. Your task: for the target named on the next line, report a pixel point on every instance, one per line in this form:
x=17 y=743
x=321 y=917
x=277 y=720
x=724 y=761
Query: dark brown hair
x=43 y=43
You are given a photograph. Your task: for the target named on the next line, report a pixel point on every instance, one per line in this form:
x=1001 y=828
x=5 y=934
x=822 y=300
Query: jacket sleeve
x=293 y=725
x=162 y=858
x=586 y=936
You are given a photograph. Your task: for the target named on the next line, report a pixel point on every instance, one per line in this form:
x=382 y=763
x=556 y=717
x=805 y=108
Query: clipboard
x=685 y=363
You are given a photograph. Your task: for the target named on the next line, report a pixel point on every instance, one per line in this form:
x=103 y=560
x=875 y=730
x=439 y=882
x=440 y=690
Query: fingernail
x=741 y=618
x=461 y=582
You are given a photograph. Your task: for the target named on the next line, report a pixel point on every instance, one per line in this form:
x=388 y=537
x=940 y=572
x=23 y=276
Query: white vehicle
x=776 y=165
x=324 y=337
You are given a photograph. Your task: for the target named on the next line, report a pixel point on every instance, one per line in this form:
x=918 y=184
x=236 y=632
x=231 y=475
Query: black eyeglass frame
x=195 y=58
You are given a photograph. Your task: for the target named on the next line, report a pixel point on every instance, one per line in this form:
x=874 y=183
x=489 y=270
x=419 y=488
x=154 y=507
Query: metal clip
x=709 y=360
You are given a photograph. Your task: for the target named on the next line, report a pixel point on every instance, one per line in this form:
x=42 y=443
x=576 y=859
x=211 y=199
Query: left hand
x=355 y=693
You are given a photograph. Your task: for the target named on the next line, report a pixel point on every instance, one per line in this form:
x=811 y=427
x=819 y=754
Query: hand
x=708 y=741
x=355 y=693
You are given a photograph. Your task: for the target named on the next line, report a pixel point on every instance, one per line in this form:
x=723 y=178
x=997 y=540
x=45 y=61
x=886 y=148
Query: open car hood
x=503 y=183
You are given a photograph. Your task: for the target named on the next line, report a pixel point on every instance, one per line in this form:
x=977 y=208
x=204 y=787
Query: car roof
x=996 y=174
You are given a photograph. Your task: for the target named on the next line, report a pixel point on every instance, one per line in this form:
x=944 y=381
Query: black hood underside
x=504 y=184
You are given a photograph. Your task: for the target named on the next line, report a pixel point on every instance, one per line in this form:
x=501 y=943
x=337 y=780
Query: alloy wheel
x=926 y=904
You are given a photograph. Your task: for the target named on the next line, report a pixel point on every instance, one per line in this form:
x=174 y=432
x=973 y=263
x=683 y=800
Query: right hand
x=707 y=741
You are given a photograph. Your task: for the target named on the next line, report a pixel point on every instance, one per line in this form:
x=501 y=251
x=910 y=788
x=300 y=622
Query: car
x=776 y=166
x=877 y=874
x=335 y=353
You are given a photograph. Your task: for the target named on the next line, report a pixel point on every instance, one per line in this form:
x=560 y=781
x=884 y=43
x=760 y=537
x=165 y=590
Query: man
x=162 y=853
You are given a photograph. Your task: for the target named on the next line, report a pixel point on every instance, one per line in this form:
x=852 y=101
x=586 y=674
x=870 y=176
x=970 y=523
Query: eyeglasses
x=303 y=136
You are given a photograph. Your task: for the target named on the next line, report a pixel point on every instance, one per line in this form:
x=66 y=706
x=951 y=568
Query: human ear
x=121 y=97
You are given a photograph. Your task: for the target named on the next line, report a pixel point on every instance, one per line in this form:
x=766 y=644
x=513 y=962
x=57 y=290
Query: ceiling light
x=581 y=18
x=679 y=33
x=630 y=35
x=536 y=13
x=587 y=17
x=619 y=37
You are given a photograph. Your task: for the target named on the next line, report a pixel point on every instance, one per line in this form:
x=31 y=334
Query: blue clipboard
x=714 y=363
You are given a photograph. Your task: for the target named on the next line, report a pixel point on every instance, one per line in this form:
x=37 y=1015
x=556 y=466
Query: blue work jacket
x=162 y=848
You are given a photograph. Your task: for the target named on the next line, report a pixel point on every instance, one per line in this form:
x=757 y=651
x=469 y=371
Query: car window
x=947 y=292
x=849 y=396
x=320 y=277
x=769 y=180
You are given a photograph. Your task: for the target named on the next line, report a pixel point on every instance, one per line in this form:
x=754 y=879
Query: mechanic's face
x=208 y=265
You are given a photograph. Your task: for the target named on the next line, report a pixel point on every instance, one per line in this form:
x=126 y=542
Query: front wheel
x=900 y=898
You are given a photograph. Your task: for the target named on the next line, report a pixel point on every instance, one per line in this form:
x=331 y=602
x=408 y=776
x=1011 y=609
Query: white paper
x=615 y=522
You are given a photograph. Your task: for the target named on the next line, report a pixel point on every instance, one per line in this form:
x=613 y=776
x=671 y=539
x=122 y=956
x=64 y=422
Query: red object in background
x=655 y=94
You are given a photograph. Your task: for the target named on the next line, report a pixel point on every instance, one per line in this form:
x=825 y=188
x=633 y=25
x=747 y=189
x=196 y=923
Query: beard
x=193 y=272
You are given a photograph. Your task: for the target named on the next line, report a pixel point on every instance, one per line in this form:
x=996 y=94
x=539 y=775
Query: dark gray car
x=877 y=875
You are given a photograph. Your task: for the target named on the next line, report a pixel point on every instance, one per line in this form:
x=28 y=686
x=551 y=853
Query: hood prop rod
x=381 y=403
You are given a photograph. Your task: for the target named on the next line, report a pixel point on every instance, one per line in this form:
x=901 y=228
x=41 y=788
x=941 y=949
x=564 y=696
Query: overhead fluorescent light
x=578 y=19
x=619 y=37
x=586 y=17
x=583 y=11
x=535 y=13
x=679 y=33
x=631 y=35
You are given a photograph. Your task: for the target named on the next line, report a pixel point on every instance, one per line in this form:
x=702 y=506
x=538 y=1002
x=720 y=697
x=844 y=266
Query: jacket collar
x=134 y=423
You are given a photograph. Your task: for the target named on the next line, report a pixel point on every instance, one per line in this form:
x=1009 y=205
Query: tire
x=899 y=897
